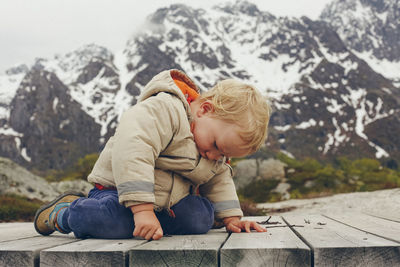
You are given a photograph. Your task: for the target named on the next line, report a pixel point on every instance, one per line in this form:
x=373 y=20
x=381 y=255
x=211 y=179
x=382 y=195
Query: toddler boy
x=164 y=171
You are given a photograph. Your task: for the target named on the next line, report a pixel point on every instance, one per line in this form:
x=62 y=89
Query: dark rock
x=93 y=69
x=56 y=130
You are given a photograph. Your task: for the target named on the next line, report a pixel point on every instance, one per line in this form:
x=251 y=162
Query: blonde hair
x=243 y=105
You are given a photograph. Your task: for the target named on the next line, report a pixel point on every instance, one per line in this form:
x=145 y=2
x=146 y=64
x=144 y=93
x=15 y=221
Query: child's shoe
x=46 y=217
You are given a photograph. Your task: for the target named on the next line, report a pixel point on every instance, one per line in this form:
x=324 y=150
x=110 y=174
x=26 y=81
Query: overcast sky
x=42 y=28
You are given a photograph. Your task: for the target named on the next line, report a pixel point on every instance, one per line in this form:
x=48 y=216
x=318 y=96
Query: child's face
x=216 y=138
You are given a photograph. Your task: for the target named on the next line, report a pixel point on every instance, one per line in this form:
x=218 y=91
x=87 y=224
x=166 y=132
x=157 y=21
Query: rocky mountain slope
x=329 y=99
x=15 y=179
x=371 y=29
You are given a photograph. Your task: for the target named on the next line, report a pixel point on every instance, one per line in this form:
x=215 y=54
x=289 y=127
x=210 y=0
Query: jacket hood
x=164 y=82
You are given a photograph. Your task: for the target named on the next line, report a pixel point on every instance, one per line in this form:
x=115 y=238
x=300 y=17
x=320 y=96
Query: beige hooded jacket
x=152 y=158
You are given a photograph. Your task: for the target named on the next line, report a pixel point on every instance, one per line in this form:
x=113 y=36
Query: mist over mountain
x=327 y=80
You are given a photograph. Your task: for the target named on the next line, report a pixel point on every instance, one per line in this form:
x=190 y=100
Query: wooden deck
x=307 y=240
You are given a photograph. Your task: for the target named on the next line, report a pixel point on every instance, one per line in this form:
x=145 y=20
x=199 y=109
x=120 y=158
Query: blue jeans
x=101 y=216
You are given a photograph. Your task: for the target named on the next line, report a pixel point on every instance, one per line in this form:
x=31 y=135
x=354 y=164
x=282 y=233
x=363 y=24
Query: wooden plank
x=377 y=226
x=336 y=244
x=277 y=247
x=14 y=231
x=14 y=224
x=90 y=252
x=180 y=250
x=385 y=214
x=25 y=252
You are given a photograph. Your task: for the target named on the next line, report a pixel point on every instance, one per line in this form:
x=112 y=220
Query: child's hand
x=146 y=224
x=234 y=224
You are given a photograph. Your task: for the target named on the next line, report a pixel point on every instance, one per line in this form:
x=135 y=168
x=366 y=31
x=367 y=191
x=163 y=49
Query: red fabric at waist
x=102 y=187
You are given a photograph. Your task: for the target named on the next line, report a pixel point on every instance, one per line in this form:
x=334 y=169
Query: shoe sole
x=46 y=206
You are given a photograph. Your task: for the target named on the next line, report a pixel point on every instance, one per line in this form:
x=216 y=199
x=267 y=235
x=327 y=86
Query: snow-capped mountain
x=93 y=81
x=328 y=99
x=371 y=29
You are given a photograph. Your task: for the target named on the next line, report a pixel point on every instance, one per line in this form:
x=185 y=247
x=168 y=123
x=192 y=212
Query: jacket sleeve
x=220 y=190
x=144 y=131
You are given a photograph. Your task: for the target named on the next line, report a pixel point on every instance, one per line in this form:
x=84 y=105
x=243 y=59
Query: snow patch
x=333 y=106
x=23 y=152
x=25 y=155
x=389 y=69
x=336 y=138
x=339 y=138
x=10 y=132
x=55 y=103
x=4 y=113
x=8 y=87
x=363 y=118
x=64 y=123
x=281 y=106
x=329 y=143
x=283 y=128
x=306 y=124
x=287 y=153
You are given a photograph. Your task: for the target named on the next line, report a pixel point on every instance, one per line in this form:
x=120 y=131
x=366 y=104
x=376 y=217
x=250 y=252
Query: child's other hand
x=234 y=224
x=147 y=224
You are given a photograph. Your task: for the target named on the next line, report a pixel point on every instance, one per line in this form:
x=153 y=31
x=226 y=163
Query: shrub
x=249 y=207
x=290 y=162
x=310 y=178
x=79 y=171
x=328 y=177
x=366 y=165
x=17 y=208
x=259 y=191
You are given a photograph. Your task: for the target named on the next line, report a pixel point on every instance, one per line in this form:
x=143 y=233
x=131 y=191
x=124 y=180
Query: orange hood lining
x=180 y=76
x=186 y=85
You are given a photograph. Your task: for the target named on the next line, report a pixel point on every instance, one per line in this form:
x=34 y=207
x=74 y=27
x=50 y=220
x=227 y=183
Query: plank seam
x=302 y=239
x=381 y=217
x=127 y=252
x=36 y=253
x=220 y=247
x=18 y=238
x=384 y=237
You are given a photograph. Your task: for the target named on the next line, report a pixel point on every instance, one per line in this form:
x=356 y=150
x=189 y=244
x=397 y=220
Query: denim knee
x=194 y=215
x=100 y=218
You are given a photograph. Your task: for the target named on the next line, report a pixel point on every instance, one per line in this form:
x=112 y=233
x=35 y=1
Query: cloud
x=42 y=28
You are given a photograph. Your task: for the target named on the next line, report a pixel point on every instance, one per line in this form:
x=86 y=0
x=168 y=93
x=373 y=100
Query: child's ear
x=205 y=107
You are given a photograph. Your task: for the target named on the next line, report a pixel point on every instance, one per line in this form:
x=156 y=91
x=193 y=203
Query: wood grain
x=378 y=226
x=180 y=250
x=277 y=247
x=391 y=216
x=384 y=213
x=90 y=252
x=25 y=252
x=314 y=240
x=14 y=231
x=336 y=244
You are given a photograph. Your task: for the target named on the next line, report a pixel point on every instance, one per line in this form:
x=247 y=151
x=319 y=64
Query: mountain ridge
x=323 y=92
